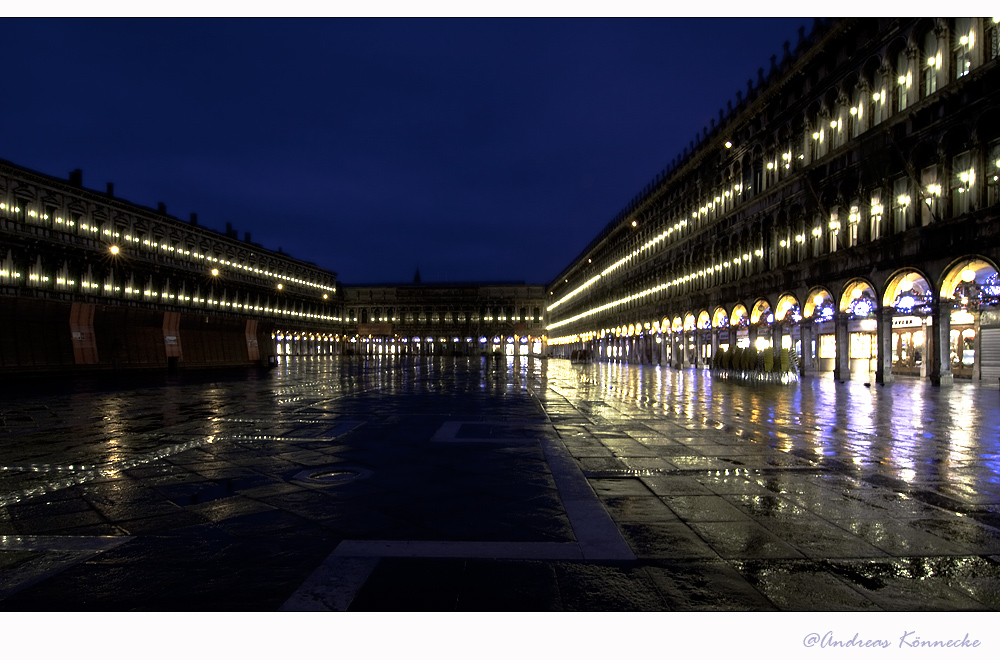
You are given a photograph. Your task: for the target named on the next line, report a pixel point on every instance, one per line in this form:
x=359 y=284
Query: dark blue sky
x=478 y=149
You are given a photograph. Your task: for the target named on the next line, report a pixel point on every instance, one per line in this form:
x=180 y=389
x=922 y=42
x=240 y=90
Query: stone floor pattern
x=474 y=485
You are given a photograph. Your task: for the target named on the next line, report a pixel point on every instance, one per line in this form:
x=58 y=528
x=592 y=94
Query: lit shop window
x=827 y=346
x=862 y=346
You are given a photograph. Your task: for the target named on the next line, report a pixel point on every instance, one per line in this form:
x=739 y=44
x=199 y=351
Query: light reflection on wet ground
x=912 y=431
x=816 y=495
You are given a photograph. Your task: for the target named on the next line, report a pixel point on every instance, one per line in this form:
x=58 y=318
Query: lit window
x=903 y=80
x=964 y=41
x=932 y=62
x=963 y=184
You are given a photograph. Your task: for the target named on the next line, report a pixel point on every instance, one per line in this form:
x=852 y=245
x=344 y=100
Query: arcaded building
x=845 y=204
x=92 y=282
x=457 y=319
x=89 y=281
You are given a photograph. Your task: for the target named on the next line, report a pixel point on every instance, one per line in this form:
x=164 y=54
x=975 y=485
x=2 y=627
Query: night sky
x=476 y=149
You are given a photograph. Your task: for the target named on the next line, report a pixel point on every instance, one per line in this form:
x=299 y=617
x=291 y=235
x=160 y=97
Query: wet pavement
x=468 y=485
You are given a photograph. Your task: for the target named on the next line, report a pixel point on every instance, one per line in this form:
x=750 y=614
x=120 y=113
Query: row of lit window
x=856 y=111
x=967 y=178
x=154 y=245
x=719 y=267
x=460 y=318
x=33 y=277
x=431 y=340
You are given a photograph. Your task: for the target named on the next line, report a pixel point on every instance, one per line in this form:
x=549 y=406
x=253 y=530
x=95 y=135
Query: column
x=806 y=366
x=940 y=348
x=842 y=361
x=883 y=343
x=776 y=331
x=699 y=360
x=925 y=362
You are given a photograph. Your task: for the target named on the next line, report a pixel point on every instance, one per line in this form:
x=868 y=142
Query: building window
x=930 y=210
x=963 y=40
x=852 y=225
x=930 y=64
x=537 y=314
x=857 y=115
x=904 y=78
x=993 y=38
x=771 y=173
x=816 y=236
x=963 y=181
x=878 y=105
x=900 y=204
x=809 y=146
x=993 y=167
x=834 y=225
x=827 y=347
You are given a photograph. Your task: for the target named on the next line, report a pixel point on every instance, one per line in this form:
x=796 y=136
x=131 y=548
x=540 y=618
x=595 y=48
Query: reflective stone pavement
x=452 y=484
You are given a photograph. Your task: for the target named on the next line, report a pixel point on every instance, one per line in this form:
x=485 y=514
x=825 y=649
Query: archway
x=908 y=298
x=970 y=289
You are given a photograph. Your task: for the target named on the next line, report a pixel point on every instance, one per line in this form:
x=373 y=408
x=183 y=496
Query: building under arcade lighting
x=845 y=205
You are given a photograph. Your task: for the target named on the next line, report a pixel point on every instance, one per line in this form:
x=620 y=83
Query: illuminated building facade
x=445 y=319
x=846 y=206
x=88 y=280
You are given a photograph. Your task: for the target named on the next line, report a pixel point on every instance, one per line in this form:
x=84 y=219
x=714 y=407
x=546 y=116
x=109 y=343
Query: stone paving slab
x=465 y=485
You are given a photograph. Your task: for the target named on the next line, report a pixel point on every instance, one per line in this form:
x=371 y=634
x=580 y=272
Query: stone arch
x=739 y=316
x=906 y=282
x=788 y=309
x=760 y=311
x=987 y=126
x=859 y=298
x=817 y=298
x=959 y=272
